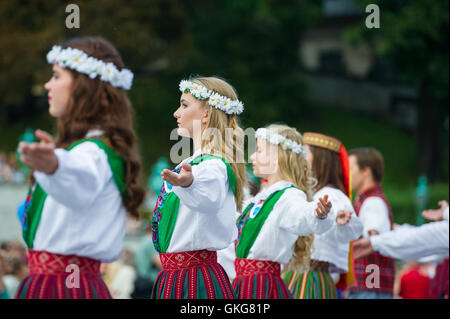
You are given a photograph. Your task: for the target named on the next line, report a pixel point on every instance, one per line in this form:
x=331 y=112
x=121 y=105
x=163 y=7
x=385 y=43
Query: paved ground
x=10 y=197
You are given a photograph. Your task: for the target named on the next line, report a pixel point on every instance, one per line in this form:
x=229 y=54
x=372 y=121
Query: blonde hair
x=295 y=169
x=229 y=147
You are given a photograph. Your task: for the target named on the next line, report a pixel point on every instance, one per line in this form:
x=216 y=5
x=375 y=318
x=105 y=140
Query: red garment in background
x=439 y=284
x=414 y=285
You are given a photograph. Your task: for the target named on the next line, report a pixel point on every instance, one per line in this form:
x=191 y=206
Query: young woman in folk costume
x=86 y=179
x=330 y=254
x=194 y=216
x=270 y=226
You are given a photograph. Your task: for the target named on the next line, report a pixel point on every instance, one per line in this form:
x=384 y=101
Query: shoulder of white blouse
x=211 y=165
x=87 y=147
x=374 y=203
x=294 y=193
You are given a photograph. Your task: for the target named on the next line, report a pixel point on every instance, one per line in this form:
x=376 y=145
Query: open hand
x=436 y=214
x=323 y=207
x=40 y=156
x=184 y=179
x=343 y=217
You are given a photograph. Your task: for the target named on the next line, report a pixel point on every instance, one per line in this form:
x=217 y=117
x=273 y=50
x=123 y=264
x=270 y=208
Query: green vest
x=249 y=228
x=166 y=210
x=36 y=195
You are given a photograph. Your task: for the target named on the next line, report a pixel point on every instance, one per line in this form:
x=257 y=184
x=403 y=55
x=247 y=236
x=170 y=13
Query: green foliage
x=413 y=36
x=254 y=44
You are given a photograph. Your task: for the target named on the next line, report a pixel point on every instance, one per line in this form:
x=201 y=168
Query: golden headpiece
x=321 y=140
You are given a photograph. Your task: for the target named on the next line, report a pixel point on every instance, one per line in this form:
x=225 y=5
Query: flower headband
x=274 y=138
x=79 y=61
x=214 y=99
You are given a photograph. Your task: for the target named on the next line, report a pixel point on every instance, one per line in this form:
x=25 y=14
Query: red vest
x=363 y=266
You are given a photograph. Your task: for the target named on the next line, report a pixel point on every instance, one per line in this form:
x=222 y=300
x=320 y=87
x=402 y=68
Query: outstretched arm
x=73 y=178
x=407 y=243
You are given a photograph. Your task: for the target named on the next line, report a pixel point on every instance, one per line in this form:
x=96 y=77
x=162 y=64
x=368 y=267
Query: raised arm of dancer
x=300 y=216
x=209 y=186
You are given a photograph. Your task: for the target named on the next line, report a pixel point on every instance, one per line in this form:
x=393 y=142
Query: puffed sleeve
x=354 y=228
x=374 y=215
x=208 y=191
x=350 y=231
x=81 y=175
x=297 y=214
x=412 y=243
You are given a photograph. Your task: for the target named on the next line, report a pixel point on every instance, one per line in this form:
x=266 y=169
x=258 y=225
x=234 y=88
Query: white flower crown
x=214 y=99
x=79 y=61
x=274 y=138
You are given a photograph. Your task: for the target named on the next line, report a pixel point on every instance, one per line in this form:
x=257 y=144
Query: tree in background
x=145 y=31
x=413 y=34
x=254 y=44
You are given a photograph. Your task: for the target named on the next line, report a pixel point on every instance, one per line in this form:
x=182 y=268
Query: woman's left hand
x=343 y=217
x=184 y=179
x=40 y=156
x=323 y=208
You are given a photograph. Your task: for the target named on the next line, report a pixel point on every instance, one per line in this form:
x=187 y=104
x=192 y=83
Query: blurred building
x=353 y=77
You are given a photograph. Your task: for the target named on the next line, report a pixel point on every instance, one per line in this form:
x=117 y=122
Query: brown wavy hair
x=326 y=168
x=95 y=104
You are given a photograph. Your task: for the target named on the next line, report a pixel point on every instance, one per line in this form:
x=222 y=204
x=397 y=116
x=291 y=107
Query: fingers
x=321 y=211
x=169 y=176
x=323 y=206
x=187 y=167
x=44 y=136
x=183 y=179
x=325 y=201
x=443 y=204
x=35 y=149
x=343 y=217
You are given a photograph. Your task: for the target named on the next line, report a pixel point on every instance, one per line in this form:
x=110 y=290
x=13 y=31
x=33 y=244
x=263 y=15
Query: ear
x=367 y=172
x=205 y=116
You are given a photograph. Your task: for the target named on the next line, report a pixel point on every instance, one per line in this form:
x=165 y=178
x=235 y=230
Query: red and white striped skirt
x=192 y=275
x=54 y=276
x=259 y=279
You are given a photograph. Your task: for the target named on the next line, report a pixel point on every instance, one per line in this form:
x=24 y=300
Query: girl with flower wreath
x=194 y=216
x=279 y=222
x=84 y=181
x=330 y=255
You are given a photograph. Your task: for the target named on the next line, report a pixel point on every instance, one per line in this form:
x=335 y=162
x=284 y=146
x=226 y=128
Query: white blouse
x=83 y=213
x=206 y=215
x=333 y=245
x=292 y=216
x=374 y=215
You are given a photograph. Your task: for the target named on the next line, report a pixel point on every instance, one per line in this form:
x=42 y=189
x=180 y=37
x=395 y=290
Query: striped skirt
x=192 y=275
x=54 y=276
x=259 y=279
x=310 y=285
